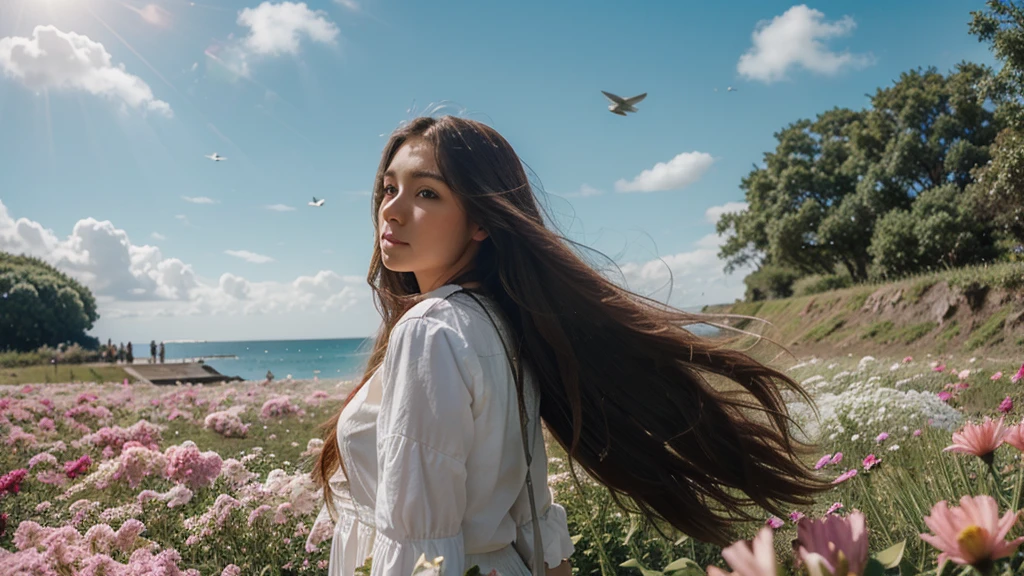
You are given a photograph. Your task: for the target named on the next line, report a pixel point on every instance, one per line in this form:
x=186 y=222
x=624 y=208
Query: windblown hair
x=622 y=381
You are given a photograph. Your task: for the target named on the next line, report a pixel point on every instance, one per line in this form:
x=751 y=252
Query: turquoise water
x=340 y=358
x=343 y=358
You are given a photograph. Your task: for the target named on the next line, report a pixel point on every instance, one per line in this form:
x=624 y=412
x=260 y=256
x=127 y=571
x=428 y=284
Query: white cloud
x=152 y=14
x=250 y=257
x=350 y=4
x=796 y=38
x=195 y=66
x=56 y=60
x=679 y=172
x=713 y=214
x=697 y=276
x=183 y=219
x=158 y=236
x=139 y=284
x=199 y=200
x=280 y=208
x=584 y=191
x=276 y=29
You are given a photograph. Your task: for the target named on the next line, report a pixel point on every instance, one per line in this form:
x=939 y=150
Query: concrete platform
x=194 y=372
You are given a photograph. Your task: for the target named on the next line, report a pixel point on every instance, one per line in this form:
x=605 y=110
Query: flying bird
x=215 y=157
x=730 y=89
x=317 y=203
x=622 y=105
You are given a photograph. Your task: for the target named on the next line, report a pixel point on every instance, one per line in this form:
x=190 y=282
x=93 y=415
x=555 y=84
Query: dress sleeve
x=424 y=435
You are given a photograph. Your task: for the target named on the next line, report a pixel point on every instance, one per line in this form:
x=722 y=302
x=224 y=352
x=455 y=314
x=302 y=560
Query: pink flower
x=1018 y=376
x=77 y=467
x=939 y=368
x=908 y=359
x=845 y=476
x=835 y=506
x=187 y=465
x=838 y=544
x=961 y=385
x=10 y=483
x=973 y=533
x=882 y=437
x=823 y=461
x=945 y=396
x=996 y=376
x=1006 y=405
x=964 y=375
x=1015 y=436
x=837 y=458
x=796 y=515
x=753 y=559
x=980 y=440
x=917 y=432
x=871 y=461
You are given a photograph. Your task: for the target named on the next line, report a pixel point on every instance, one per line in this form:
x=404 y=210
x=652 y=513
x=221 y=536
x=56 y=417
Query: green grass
x=856 y=302
x=880 y=331
x=915 y=292
x=915 y=332
x=987 y=331
x=822 y=330
x=63 y=373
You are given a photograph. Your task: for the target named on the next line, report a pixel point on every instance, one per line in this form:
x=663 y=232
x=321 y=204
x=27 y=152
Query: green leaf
x=891 y=556
x=633 y=525
x=680 y=564
x=473 y=571
x=576 y=539
x=682 y=539
x=874 y=568
x=634 y=563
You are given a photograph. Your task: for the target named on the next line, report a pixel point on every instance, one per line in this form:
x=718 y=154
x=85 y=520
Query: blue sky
x=107 y=108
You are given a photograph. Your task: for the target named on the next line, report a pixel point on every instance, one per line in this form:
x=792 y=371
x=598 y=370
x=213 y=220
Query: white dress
x=434 y=452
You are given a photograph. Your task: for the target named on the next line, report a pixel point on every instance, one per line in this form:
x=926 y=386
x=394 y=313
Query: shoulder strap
x=538 y=545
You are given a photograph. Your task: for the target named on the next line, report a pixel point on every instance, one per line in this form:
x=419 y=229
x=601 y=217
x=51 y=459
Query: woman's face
x=423 y=228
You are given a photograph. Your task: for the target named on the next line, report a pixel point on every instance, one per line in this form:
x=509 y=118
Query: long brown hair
x=622 y=381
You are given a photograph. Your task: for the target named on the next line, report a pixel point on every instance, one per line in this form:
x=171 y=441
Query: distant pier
x=171 y=373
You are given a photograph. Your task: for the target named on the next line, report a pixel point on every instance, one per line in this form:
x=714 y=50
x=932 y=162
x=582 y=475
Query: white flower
x=894 y=447
x=855 y=437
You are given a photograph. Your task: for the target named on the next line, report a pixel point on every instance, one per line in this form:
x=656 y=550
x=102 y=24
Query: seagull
x=622 y=105
x=215 y=157
x=317 y=203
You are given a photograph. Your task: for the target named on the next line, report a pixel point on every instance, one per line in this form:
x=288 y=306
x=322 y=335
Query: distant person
x=120 y=353
x=270 y=376
x=434 y=422
x=129 y=357
x=152 y=351
x=161 y=352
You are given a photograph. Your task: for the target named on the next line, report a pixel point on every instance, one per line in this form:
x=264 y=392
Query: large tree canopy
x=40 y=305
x=879 y=192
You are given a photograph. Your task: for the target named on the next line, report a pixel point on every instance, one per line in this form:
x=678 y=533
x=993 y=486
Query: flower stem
x=998 y=485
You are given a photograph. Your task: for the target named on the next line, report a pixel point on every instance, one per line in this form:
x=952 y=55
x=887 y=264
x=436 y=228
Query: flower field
x=117 y=478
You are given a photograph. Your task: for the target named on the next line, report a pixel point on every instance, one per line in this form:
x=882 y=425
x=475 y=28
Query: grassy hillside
x=970 y=310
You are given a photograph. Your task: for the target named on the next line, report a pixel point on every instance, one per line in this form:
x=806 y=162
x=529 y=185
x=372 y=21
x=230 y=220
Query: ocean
x=343 y=358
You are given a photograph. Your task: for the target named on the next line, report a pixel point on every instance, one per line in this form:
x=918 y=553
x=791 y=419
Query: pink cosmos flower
x=749 y=559
x=1015 y=436
x=996 y=376
x=917 y=432
x=837 y=458
x=945 y=396
x=882 y=437
x=871 y=461
x=796 y=515
x=1018 y=376
x=908 y=359
x=835 y=506
x=823 y=461
x=845 y=476
x=972 y=533
x=774 y=522
x=835 y=543
x=939 y=368
x=964 y=375
x=980 y=440
x=1006 y=405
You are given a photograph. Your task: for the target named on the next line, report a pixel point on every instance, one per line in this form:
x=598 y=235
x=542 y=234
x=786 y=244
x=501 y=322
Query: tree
x=998 y=194
x=1002 y=26
x=815 y=204
x=40 y=305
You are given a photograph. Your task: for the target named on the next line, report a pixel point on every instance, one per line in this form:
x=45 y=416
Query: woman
x=489 y=317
